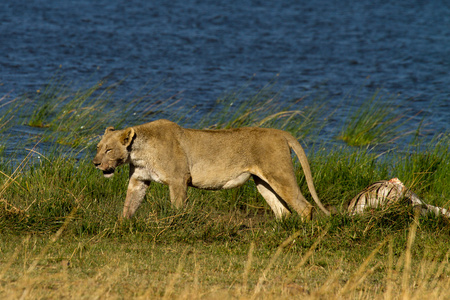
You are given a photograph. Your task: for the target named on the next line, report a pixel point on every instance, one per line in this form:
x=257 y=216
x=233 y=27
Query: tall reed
x=376 y=120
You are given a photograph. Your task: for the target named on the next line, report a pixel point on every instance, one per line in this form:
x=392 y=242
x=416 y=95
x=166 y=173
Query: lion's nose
x=96 y=163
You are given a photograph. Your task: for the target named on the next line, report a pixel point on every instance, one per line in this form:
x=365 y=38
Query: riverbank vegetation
x=61 y=235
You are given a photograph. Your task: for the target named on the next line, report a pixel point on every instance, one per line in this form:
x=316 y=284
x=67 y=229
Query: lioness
x=164 y=152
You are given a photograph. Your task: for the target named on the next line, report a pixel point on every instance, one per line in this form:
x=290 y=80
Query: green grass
x=376 y=121
x=264 y=108
x=61 y=235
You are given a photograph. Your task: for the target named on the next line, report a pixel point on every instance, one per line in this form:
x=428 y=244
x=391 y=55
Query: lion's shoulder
x=160 y=131
x=161 y=126
x=158 y=123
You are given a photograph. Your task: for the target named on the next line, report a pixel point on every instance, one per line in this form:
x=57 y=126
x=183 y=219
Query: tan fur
x=164 y=152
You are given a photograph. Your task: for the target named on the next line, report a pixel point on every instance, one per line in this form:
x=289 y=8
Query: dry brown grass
x=34 y=267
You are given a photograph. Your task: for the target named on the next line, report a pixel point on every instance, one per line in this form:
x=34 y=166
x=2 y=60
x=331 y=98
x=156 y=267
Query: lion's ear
x=109 y=129
x=127 y=136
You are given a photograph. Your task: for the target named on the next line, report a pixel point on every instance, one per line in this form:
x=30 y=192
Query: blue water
x=205 y=48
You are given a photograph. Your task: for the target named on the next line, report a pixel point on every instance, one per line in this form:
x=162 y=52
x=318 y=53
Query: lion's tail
x=294 y=144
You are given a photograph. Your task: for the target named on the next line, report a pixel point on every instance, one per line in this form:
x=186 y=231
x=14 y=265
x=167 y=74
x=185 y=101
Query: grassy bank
x=60 y=234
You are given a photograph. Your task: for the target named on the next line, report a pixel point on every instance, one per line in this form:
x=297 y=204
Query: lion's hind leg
x=277 y=204
x=283 y=195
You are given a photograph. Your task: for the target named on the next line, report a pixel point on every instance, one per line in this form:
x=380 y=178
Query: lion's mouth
x=108 y=173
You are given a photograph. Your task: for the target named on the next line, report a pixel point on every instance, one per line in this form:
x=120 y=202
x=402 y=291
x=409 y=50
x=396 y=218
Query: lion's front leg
x=135 y=195
x=178 y=195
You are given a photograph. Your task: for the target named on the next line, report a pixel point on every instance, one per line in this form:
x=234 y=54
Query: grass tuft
x=374 y=122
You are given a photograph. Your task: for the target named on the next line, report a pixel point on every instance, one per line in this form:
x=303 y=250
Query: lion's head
x=112 y=150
